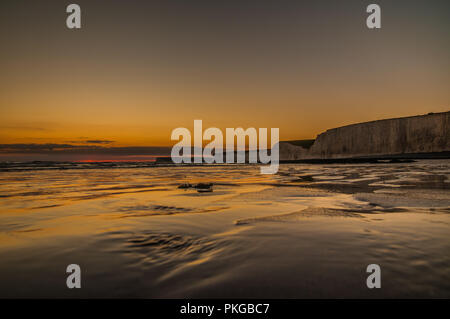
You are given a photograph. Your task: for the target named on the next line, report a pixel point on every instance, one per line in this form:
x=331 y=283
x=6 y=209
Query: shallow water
x=308 y=232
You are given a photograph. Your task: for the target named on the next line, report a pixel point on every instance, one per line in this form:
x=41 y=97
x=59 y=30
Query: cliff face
x=416 y=134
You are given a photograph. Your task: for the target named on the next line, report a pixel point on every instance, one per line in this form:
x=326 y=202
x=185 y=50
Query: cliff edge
x=407 y=135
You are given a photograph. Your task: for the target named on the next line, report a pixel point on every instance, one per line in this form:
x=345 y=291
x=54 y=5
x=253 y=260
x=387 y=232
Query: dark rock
x=203 y=186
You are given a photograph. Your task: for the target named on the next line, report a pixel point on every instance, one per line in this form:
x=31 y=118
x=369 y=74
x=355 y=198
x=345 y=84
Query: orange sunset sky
x=137 y=70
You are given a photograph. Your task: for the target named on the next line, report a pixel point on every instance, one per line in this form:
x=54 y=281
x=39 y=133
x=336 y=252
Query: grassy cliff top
x=303 y=143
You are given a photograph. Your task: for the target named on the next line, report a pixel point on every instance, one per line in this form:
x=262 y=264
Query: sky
x=136 y=70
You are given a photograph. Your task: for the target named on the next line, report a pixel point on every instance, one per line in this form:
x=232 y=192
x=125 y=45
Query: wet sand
x=308 y=232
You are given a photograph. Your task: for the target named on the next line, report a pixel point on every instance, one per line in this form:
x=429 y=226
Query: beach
x=308 y=231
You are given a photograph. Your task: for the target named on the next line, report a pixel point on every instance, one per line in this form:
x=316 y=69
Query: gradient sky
x=138 y=69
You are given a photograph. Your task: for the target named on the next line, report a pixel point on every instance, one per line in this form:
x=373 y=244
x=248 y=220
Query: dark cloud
x=98 y=142
x=5 y=148
x=91 y=142
x=53 y=149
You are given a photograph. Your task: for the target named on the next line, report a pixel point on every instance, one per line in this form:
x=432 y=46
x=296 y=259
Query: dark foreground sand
x=308 y=232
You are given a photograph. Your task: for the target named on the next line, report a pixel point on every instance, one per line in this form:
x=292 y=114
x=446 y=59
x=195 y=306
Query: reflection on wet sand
x=308 y=231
